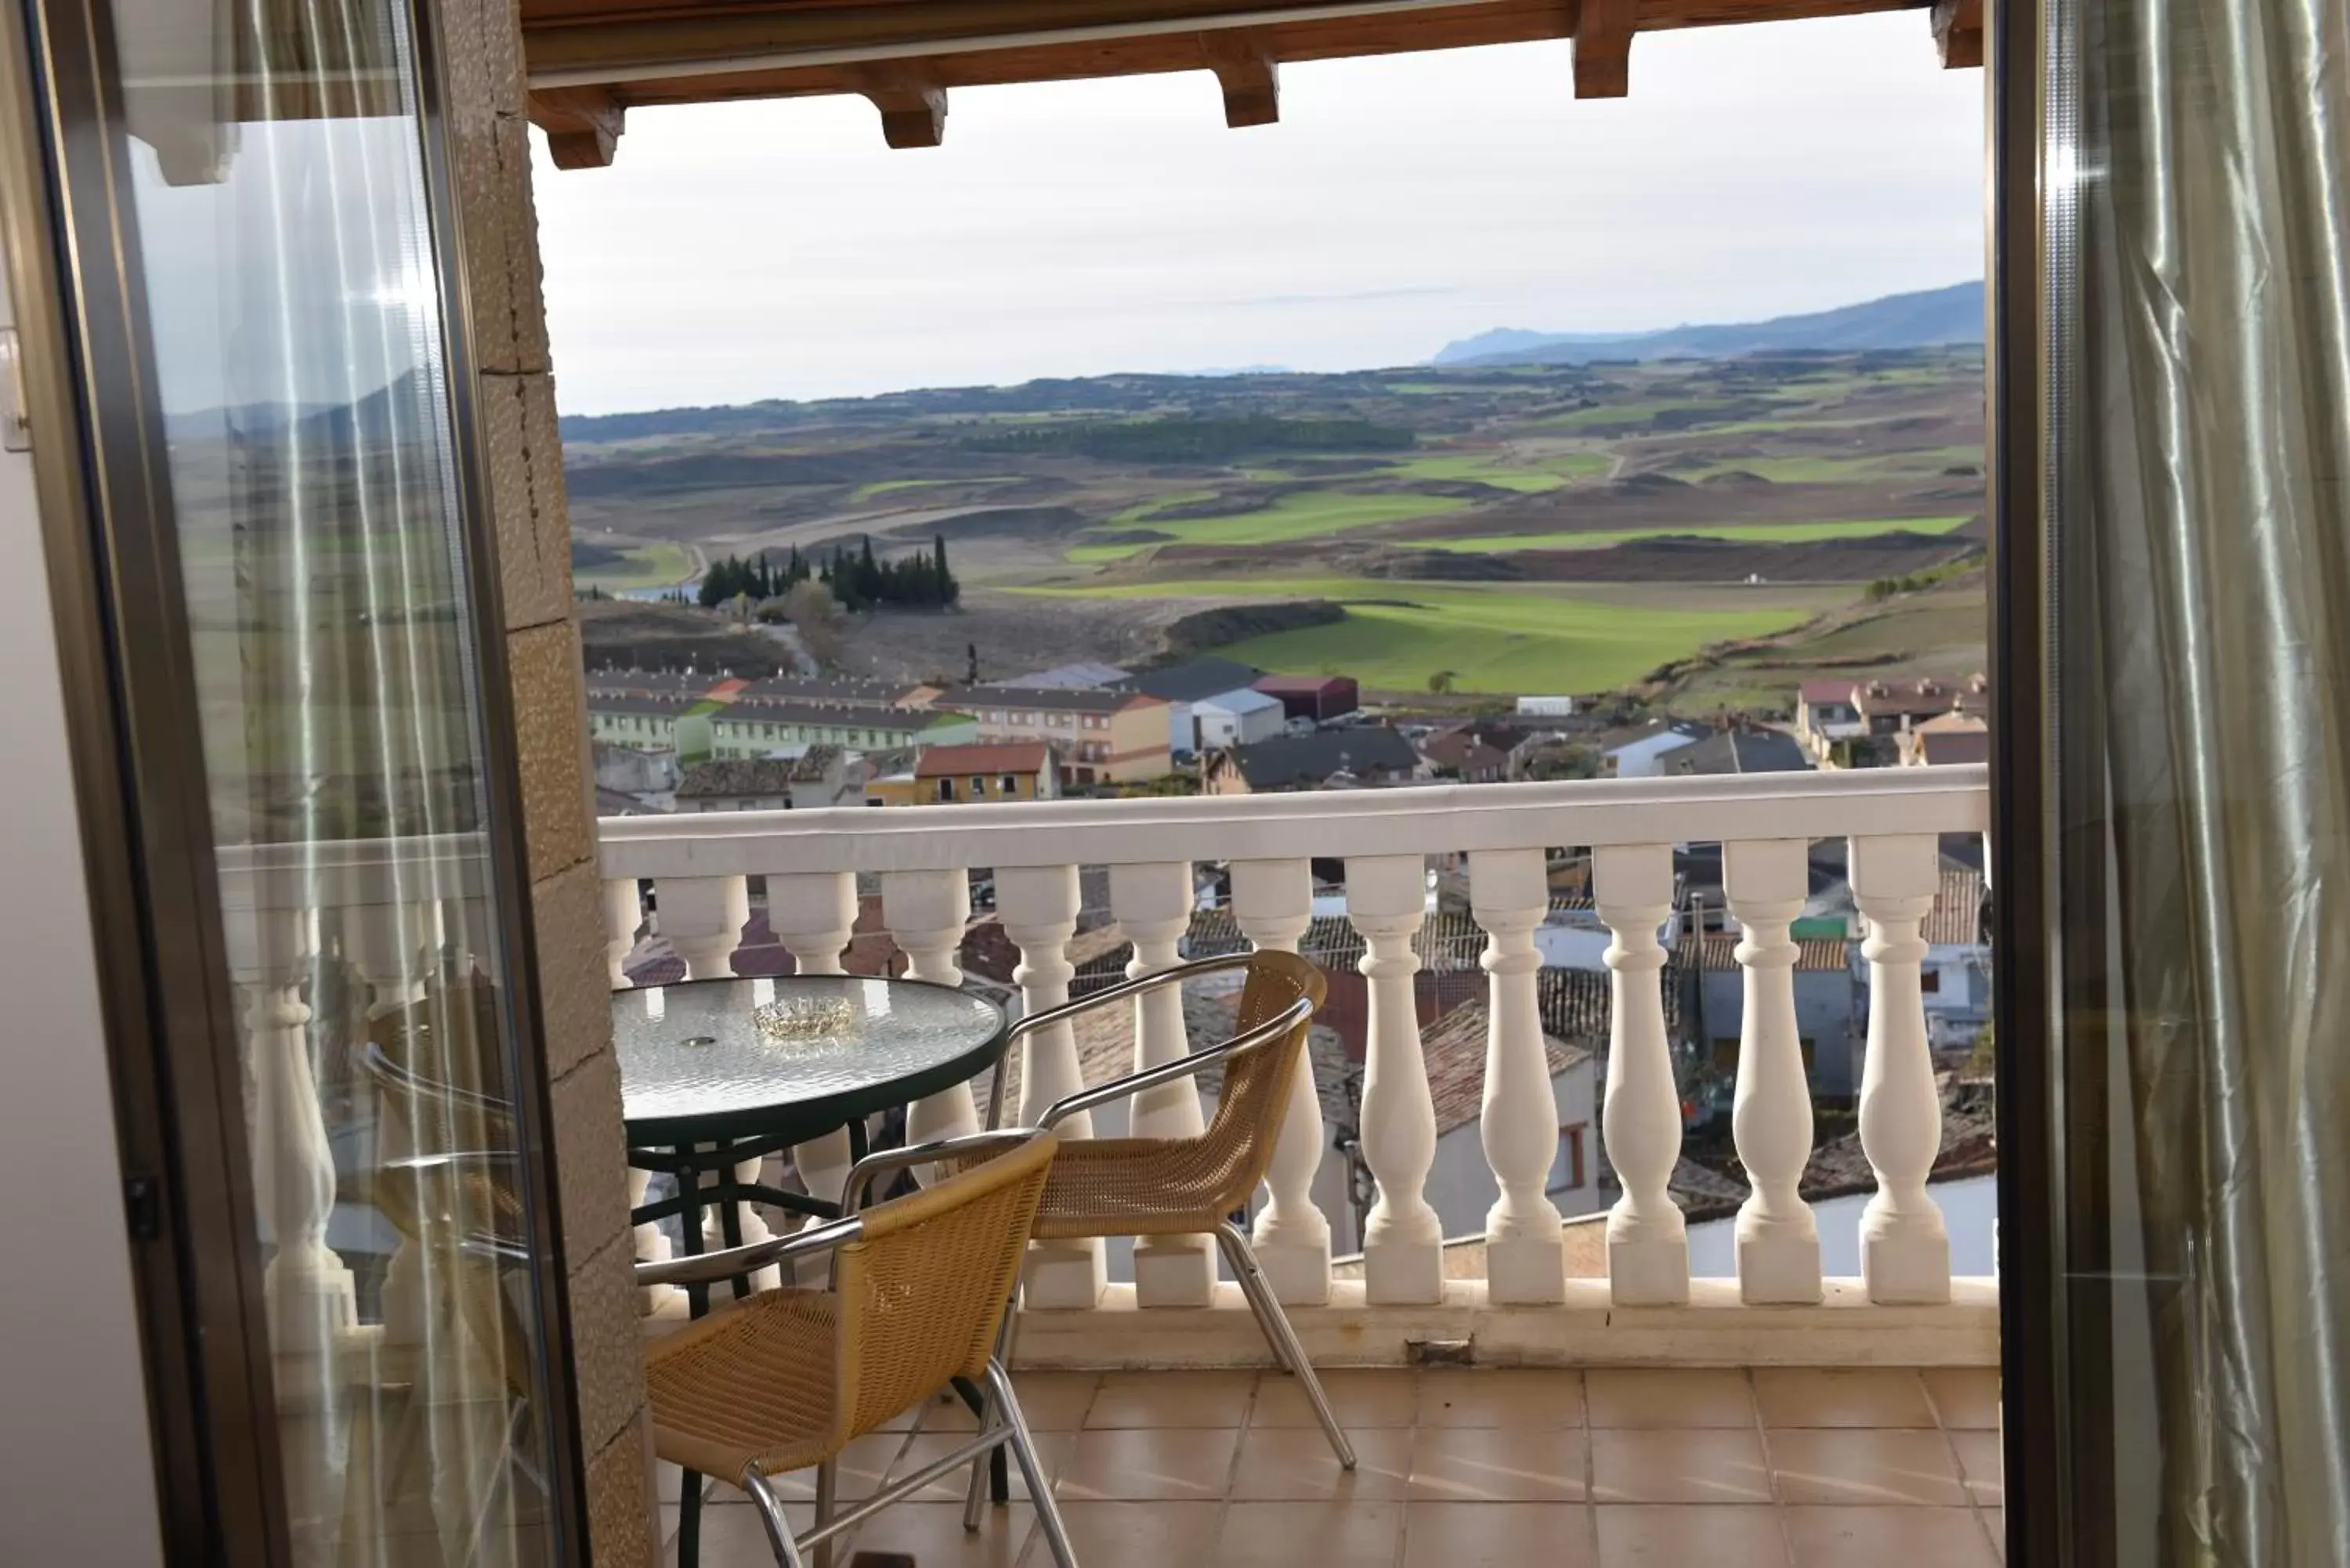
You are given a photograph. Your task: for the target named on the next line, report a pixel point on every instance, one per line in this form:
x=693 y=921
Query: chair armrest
x=1133 y=1084
x=1119 y=992
x=709 y=1268
x=861 y=1177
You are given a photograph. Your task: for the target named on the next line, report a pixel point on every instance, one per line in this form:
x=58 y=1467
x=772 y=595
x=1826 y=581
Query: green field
x=1632 y=413
x=1489 y=468
x=1751 y=533
x=1396 y=634
x=643 y=566
x=1300 y=516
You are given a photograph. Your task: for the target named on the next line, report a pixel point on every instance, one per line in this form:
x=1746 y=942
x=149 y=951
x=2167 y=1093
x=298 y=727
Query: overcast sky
x=738 y=251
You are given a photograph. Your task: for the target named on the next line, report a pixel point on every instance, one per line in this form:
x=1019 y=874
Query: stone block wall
x=514 y=393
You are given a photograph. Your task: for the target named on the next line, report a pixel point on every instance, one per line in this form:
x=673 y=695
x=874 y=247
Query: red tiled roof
x=1454 y=1048
x=1005 y=757
x=1826 y=692
x=1955 y=919
x=1949 y=747
x=1717 y=950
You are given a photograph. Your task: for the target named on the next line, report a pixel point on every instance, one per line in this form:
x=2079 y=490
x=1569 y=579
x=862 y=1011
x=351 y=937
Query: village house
x=1101 y=736
x=1183 y=684
x=1369 y=757
x=1317 y=699
x=1003 y=770
x=819 y=776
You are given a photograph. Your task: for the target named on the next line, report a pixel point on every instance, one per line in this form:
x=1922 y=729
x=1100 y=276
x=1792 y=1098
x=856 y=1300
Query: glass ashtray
x=793 y=1020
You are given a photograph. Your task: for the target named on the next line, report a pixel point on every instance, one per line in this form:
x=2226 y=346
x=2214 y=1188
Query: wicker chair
x=1192 y=1186
x=787 y=1378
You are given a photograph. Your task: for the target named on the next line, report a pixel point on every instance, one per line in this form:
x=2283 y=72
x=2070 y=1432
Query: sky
x=737 y=252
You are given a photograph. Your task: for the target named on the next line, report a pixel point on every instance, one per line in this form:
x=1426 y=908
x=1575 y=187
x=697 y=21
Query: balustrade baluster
x=1647 y=1244
x=389 y=945
x=1905 y=1249
x=309 y=1291
x=702 y=918
x=814 y=914
x=926 y=911
x=1038 y=906
x=1153 y=904
x=624 y=915
x=1272 y=902
x=1403 y=1251
x=1778 y=1240
x=1526 y=1259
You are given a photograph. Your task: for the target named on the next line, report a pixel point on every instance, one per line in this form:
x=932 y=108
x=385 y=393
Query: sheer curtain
x=2209 y=441
x=288 y=256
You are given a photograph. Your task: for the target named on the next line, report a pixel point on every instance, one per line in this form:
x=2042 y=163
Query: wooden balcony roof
x=589 y=61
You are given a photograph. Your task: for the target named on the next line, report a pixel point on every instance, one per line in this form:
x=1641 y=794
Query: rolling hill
x=1936 y=316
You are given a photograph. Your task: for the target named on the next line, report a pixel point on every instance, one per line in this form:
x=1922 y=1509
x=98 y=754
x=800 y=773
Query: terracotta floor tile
x=1633 y=1398
x=1532 y=1397
x=1860 y=1468
x=1132 y=1534
x=861 y=1466
x=1979 y=1466
x=1052 y=1450
x=933 y=1535
x=1362 y=1396
x=1055 y=1401
x=1964 y=1397
x=1295 y=1463
x=1693 y=1465
x=1679 y=1536
x=1867 y=1396
x=731 y=1537
x=1491 y=1464
x=1994 y=1523
x=1150 y=1464
x=944 y=1412
x=1875 y=1537
x=1497 y=1535
x=1172 y=1400
x=1352 y=1534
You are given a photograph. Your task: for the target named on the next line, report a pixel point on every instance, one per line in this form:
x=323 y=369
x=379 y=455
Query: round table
x=715 y=1073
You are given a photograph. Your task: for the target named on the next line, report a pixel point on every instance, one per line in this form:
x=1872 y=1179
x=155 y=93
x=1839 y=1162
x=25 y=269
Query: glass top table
x=790 y=1059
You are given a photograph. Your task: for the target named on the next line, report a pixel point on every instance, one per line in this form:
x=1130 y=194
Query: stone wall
x=515 y=391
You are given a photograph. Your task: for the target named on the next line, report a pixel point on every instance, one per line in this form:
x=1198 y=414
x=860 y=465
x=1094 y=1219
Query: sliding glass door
x=292 y=600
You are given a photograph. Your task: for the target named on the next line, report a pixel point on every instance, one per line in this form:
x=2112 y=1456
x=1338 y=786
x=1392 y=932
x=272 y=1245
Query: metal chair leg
x=974 y=1500
x=828 y=1481
x=771 y=1514
x=1024 y=1449
x=1279 y=1335
x=688 y=1520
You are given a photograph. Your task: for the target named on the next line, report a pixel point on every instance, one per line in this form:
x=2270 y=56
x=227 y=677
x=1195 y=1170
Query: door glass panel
x=287 y=249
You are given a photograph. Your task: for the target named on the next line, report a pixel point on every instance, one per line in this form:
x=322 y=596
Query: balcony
x=1554 y=1380
x=1608 y=1468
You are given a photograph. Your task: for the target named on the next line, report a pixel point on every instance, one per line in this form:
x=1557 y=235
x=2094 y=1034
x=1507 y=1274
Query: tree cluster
x=859 y=580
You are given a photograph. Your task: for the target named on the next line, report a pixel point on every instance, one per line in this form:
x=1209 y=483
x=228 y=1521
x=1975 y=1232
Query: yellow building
x=1025 y=770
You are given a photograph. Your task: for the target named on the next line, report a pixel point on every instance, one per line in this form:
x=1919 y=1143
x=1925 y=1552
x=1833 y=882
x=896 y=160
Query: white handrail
x=1436 y=819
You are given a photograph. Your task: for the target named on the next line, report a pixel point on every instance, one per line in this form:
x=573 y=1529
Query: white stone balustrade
x=1778 y=1241
x=1526 y=1260
x=1152 y=901
x=814 y=916
x=1893 y=819
x=1648 y=1245
x=1273 y=903
x=926 y=912
x=1403 y=1244
x=1039 y=908
x=1905 y=1252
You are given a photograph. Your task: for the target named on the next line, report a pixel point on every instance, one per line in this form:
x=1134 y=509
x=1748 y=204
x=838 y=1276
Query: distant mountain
x=1953 y=314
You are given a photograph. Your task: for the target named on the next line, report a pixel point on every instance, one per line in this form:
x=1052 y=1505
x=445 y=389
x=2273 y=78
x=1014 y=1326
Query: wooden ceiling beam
x=913 y=112
x=1249 y=75
x=583 y=125
x=1603 y=47
x=1959 y=33
x=635 y=42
